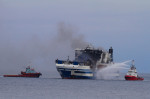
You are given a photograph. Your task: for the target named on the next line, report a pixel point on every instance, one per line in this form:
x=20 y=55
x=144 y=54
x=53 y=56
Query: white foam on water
x=112 y=71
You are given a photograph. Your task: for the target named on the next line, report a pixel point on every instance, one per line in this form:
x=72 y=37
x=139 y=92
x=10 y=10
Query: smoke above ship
x=68 y=34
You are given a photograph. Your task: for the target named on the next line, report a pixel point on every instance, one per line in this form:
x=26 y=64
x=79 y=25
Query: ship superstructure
x=86 y=62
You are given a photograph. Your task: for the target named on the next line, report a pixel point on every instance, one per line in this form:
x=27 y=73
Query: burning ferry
x=87 y=62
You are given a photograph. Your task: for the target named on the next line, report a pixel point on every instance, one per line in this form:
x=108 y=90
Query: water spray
x=112 y=71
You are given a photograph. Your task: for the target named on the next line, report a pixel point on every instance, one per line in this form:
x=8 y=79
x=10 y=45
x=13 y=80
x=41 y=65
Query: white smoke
x=112 y=71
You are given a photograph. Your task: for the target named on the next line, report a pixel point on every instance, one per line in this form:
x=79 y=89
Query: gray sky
x=29 y=31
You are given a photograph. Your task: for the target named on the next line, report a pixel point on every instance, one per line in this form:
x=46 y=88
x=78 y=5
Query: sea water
x=57 y=88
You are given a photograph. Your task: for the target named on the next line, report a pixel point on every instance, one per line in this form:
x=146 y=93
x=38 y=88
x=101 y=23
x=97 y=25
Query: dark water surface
x=56 y=88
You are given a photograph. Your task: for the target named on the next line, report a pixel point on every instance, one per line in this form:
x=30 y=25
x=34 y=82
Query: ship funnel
x=111 y=53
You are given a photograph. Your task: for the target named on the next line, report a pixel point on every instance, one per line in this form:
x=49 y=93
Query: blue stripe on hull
x=83 y=72
x=66 y=74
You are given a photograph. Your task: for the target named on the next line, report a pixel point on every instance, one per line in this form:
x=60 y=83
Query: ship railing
x=72 y=63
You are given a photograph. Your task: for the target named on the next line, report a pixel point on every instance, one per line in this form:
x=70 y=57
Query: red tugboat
x=28 y=73
x=132 y=73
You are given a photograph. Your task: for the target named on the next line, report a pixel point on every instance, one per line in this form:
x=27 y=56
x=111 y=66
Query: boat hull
x=32 y=75
x=132 y=78
x=71 y=73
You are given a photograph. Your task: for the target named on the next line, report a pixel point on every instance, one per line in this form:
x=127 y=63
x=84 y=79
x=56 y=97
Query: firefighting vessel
x=132 y=73
x=87 y=62
x=28 y=73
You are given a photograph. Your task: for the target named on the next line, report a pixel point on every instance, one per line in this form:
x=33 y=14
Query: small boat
x=28 y=73
x=132 y=73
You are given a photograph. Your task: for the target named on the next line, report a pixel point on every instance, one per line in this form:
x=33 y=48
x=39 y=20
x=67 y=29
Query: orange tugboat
x=28 y=73
x=132 y=73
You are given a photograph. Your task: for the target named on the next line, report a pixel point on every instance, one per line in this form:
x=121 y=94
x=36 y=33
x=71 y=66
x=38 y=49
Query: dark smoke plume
x=16 y=54
x=68 y=34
